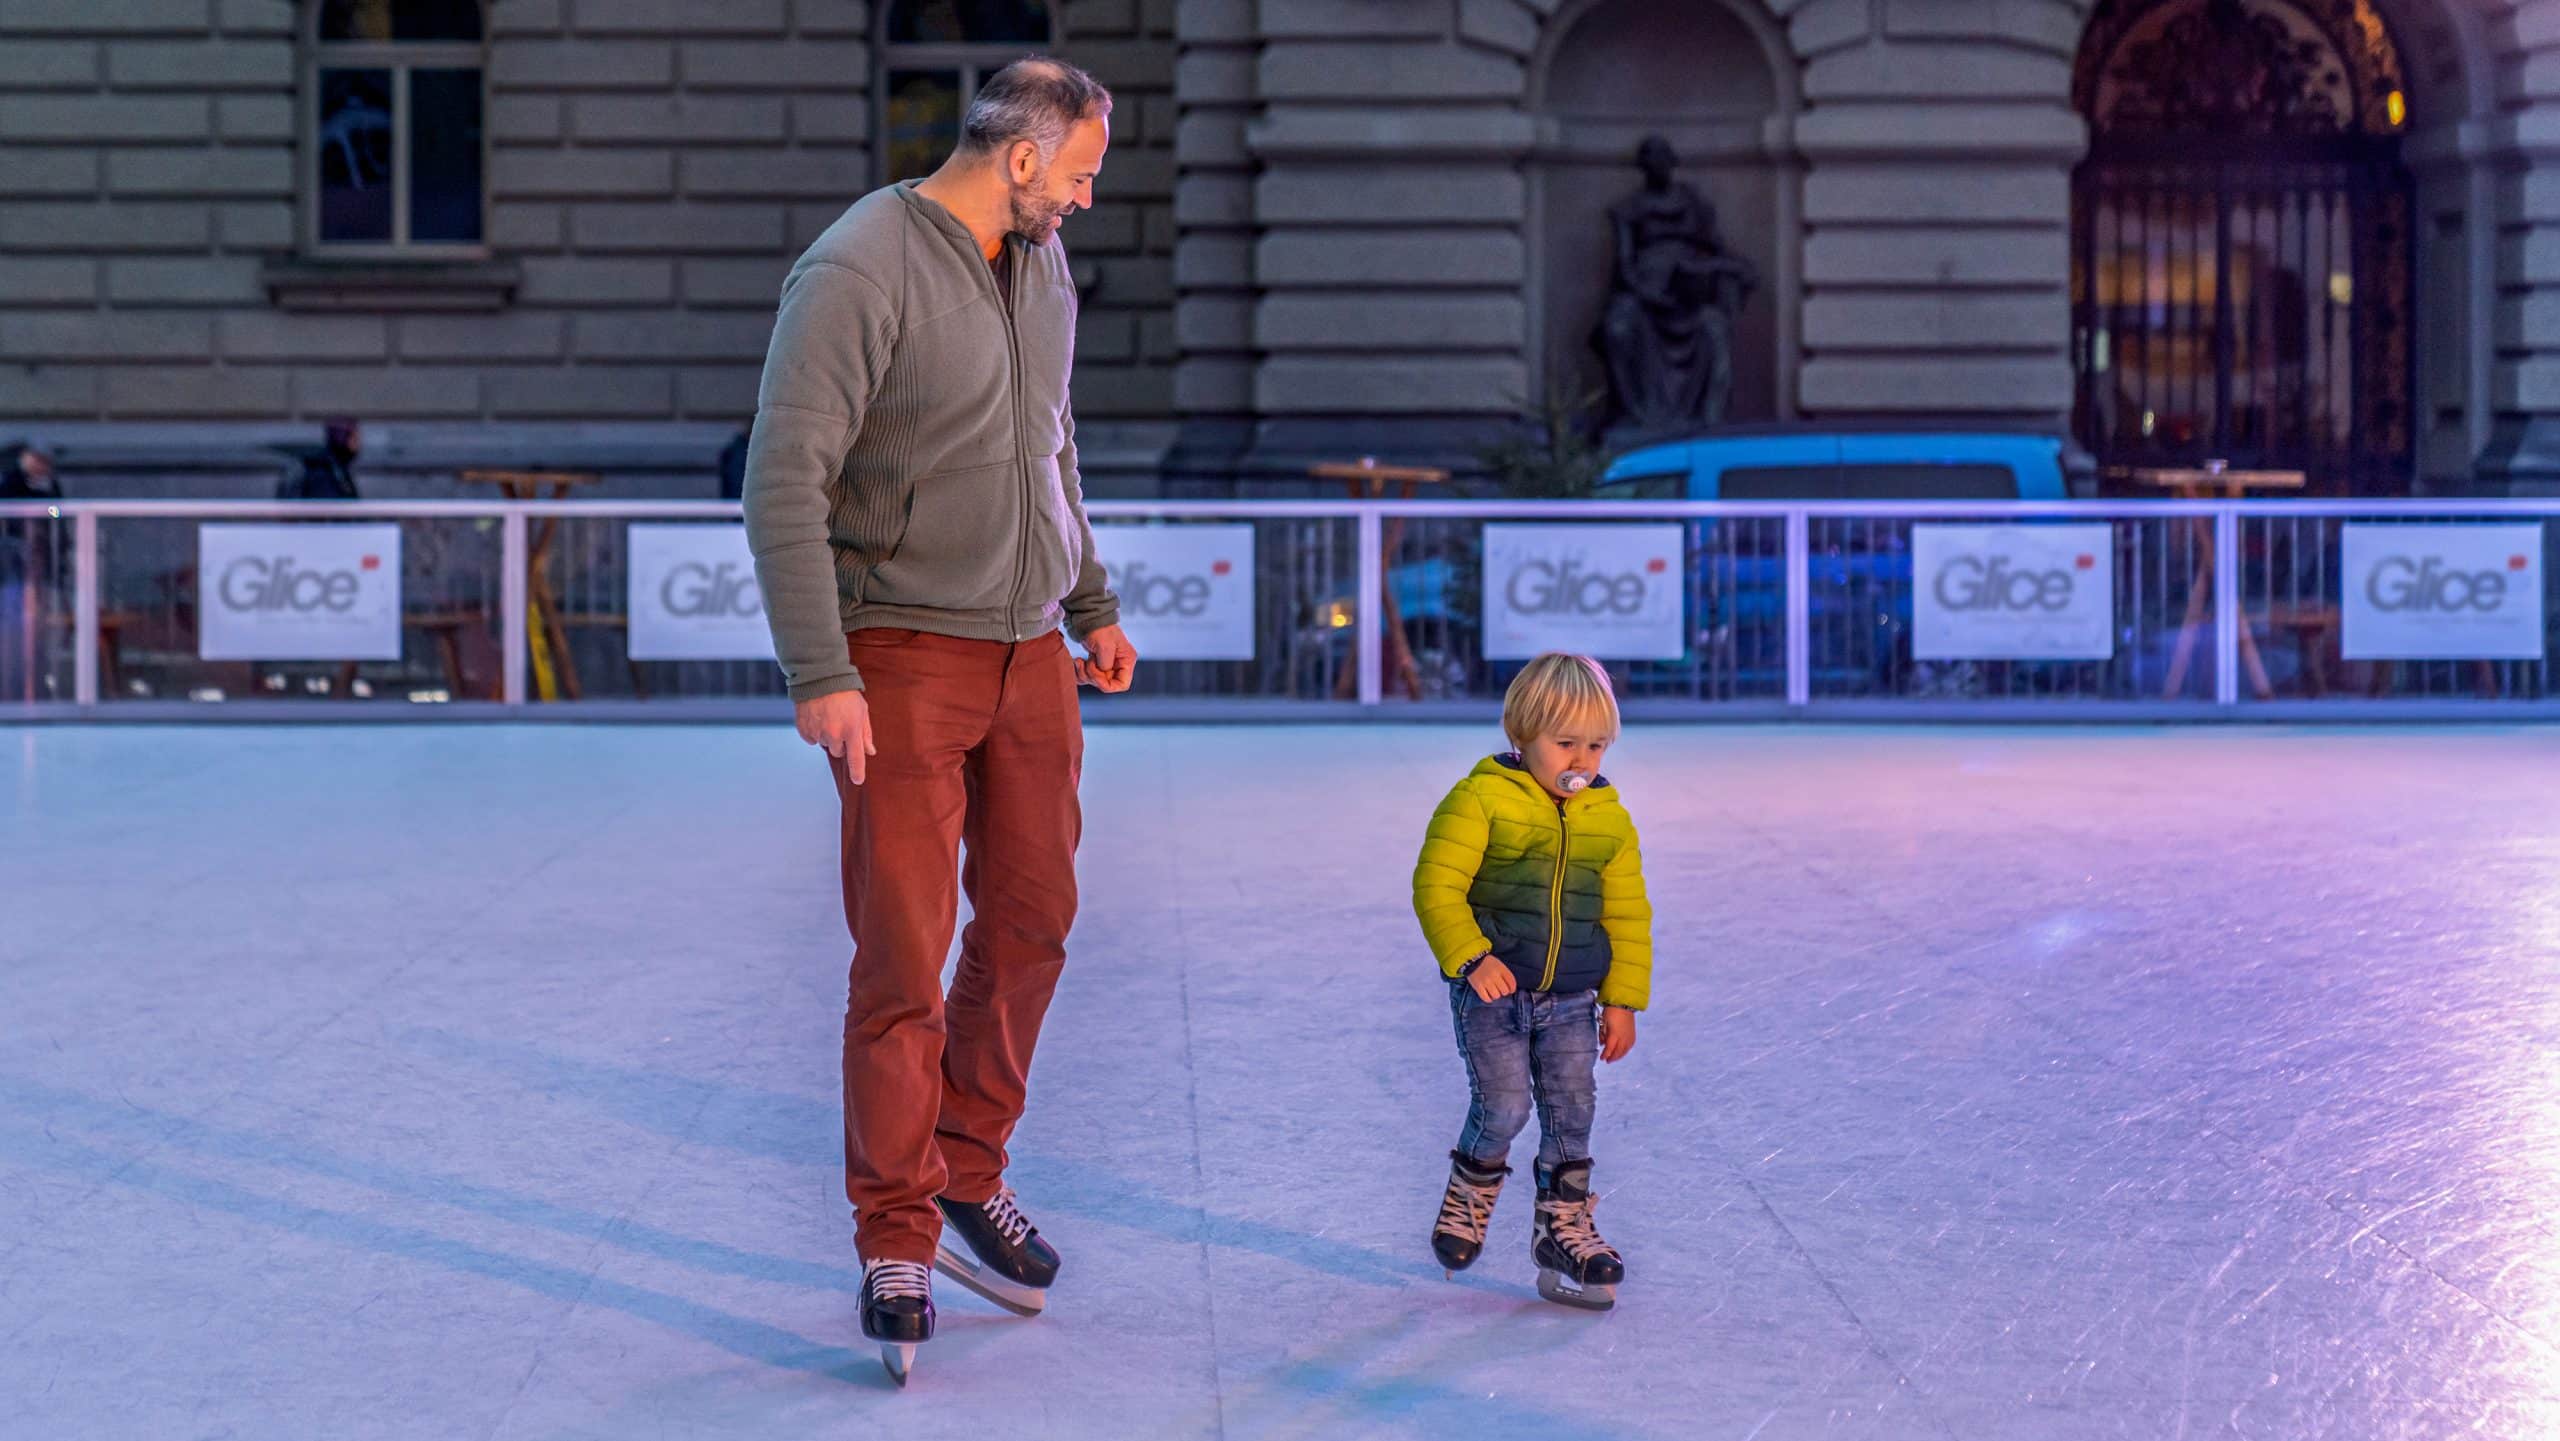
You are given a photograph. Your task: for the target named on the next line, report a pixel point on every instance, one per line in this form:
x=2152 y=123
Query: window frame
x=975 y=60
x=401 y=58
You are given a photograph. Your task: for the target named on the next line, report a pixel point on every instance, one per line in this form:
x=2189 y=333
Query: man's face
x=1045 y=195
x=36 y=465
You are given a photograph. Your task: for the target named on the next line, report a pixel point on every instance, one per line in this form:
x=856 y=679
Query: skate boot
x=897 y=1311
x=1465 y=1209
x=1001 y=1256
x=1575 y=1267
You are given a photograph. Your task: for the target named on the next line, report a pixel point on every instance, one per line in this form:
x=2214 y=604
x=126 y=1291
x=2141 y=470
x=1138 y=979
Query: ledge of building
x=308 y=284
x=405 y=460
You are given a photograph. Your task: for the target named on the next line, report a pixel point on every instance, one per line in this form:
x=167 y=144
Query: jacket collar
x=939 y=216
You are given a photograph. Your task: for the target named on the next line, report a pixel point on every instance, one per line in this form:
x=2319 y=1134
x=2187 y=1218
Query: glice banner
x=694 y=595
x=2441 y=592
x=2012 y=592
x=1614 y=592
x=298 y=592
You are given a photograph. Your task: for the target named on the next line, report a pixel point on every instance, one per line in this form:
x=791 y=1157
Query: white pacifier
x=1572 y=781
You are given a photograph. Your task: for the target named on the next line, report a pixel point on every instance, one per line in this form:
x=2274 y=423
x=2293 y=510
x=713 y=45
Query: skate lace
x=1007 y=1217
x=1466 y=1207
x=1571 y=1224
x=889 y=1280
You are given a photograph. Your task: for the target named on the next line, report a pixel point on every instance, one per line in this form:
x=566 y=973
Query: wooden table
x=1366 y=479
x=2210 y=481
x=555 y=671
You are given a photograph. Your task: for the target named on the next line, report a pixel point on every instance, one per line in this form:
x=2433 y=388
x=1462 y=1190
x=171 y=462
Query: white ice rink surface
x=481 y=1082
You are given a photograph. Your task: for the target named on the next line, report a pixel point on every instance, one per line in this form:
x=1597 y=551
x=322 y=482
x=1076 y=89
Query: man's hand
x=1617 y=1032
x=1492 y=980
x=840 y=725
x=1110 y=663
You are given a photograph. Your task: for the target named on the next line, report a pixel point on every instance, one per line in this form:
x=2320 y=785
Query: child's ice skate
x=1466 y=1208
x=1575 y=1267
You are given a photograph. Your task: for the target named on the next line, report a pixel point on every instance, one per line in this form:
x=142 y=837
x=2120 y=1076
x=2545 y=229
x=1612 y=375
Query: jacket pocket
x=958 y=547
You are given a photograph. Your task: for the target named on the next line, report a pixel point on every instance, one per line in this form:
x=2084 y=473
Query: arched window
x=2242 y=237
x=932 y=56
x=394 y=147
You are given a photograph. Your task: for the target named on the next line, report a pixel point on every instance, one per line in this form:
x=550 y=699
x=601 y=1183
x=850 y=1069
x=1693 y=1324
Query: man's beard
x=1031 y=214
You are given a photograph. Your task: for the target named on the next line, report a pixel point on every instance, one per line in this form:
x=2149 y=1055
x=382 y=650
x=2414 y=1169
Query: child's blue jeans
x=1529 y=1048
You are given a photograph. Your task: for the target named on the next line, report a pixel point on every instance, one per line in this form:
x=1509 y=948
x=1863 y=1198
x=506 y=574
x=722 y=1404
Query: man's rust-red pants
x=978 y=742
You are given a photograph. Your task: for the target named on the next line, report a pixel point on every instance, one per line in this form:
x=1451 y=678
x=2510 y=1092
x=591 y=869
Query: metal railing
x=519 y=608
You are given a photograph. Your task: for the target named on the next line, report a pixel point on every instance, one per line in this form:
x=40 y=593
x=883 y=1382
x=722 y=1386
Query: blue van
x=1859 y=569
x=1808 y=462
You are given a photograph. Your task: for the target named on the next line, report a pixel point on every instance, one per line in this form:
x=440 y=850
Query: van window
x=1870 y=482
x=1780 y=482
x=1928 y=482
x=1657 y=485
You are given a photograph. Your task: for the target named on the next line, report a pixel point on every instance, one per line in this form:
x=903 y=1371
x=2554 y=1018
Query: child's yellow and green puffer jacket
x=1555 y=891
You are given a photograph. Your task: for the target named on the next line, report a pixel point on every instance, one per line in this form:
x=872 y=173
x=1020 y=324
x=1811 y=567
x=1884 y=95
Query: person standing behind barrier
x=26 y=473
x=328 y=473
x=918 y=523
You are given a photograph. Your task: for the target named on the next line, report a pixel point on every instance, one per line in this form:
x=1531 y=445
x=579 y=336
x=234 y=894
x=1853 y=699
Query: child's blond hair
x=1555 y=691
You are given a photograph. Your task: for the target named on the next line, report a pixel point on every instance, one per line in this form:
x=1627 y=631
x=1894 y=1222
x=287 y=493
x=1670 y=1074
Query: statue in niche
x=1666 y=332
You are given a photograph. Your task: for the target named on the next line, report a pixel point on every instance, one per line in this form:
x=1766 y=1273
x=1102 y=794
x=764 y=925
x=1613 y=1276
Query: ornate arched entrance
x=2242 y=234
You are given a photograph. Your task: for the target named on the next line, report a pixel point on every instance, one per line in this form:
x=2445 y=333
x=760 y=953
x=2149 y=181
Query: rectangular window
x=444 y=156
x=924 y=121
x=394 y=144
x=353 y=148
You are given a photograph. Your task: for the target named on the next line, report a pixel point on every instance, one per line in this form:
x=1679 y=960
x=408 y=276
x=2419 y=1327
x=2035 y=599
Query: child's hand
x=1492 y=980
x=1617 y=1032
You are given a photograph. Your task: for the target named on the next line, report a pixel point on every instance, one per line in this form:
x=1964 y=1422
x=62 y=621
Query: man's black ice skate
x=1575 y=1267
x=897 y=1311
x=1457 y=1238
x=1001 y=1256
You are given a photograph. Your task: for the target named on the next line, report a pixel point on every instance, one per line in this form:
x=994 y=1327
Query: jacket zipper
x=1555 y=900
x=1005 y=292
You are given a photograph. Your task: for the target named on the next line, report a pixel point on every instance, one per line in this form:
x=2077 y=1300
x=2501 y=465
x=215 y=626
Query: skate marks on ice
x=1362 y=1379
x=741 y=1336
x=799 y=1131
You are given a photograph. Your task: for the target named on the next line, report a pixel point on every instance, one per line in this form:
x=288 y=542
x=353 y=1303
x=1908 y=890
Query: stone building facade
x=1328 y=227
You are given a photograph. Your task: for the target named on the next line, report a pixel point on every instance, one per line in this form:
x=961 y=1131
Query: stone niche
x=1710 y=78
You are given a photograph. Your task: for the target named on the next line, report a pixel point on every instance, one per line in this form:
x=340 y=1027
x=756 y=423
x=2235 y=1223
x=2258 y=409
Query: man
x=26 y=473
x=328 y=473
x=27 y=547
x=918 y=522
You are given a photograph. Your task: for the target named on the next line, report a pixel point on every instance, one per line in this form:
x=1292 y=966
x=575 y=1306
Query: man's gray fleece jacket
x=914 y=456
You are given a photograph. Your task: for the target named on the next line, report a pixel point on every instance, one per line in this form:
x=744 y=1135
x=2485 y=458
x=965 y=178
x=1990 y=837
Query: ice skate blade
x=1557 y=1288
x=1012 y=1295
x=900 y=1358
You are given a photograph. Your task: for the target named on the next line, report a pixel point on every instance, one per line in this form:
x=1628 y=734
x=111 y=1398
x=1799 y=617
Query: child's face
x=1576 y=748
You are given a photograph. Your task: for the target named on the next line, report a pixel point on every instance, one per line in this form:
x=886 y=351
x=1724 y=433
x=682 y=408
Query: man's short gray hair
x=1036 y=99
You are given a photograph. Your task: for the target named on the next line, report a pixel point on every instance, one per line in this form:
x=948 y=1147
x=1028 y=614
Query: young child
x=1531 y=894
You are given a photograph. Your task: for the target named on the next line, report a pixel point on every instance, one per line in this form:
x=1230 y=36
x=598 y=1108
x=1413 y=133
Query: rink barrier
x=1790 y=610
